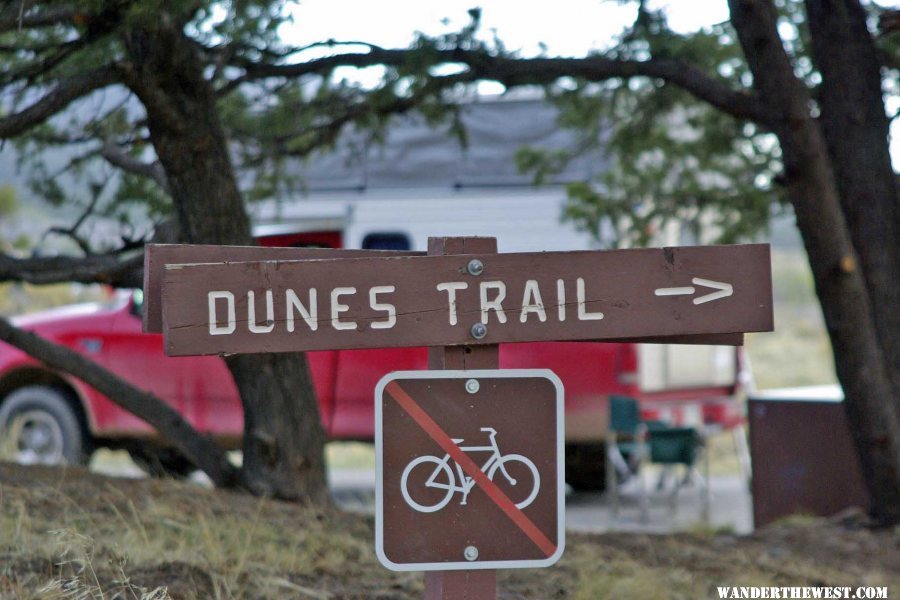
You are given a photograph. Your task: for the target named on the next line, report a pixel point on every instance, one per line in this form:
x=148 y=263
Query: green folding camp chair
x=626 y=450
x=672 y=446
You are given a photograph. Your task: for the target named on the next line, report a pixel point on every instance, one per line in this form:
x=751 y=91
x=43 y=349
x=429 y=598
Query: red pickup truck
x=59 y=418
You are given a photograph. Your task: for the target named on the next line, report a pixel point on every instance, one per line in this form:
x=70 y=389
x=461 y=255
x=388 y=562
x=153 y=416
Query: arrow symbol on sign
x=725 y=290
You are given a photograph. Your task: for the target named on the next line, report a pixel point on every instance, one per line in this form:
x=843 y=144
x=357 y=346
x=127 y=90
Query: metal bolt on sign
x=472 y=386
x=471 y=553
x=478 y=331
x=475 y=267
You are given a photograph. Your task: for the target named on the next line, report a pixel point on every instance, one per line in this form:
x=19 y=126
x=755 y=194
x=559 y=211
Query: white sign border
x=560 y=469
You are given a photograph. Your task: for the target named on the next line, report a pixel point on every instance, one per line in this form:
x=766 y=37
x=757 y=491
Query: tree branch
x=67 y=91
x=62 y=50
x=29 y=71
x=513 y=72
x=888 y=59
x=889 y=22
x=201 y=450
x=71 y=232
x=112 y=269
x=327 y=130
x=116 y=157
x=59 y=138
x=16 y=16
x=535 y=71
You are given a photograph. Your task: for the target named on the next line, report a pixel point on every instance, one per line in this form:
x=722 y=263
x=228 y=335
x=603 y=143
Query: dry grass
x=73 y=534
x=103 y=531
x=350 y=455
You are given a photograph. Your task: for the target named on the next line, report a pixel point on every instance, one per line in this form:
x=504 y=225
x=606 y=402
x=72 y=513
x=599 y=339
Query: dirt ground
x=75 y=534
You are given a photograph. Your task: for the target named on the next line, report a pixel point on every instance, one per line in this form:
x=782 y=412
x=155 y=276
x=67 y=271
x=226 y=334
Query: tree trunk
x=841 y=286
x=283 y=436
x=856 y=129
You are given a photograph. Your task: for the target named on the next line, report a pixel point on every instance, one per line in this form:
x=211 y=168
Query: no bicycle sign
x=470 y=469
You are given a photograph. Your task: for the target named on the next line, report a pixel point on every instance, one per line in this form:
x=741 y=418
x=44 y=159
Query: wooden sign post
x=450 y=585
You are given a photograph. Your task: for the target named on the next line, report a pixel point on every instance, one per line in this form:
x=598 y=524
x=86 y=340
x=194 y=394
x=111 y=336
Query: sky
x=567 y=27
x=564 y=27
x=561 y=28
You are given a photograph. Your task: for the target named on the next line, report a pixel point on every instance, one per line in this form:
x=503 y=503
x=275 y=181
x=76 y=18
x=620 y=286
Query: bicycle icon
x=442 y=476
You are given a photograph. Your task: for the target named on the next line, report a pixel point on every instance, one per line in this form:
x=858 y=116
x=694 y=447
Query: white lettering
x=583 y=314
x=337 y=308
x=561 y=299
x=311 y=315
x=269 y=324
x=214 y=328
x=780 y=592
x=532 y=302
x=495 y=304
x=450 y=287
x=389 y=308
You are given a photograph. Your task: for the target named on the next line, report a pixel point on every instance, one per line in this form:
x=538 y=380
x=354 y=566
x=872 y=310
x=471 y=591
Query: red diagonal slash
x=470 y=468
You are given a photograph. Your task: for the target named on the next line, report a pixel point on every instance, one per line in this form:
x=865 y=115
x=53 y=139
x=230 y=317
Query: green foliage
x=277 y=125
x=667 y=158
x=889 y=45
x=271 y=124
x=63 y=157
x=9 y=202
x=670 y=158
x=22 y=242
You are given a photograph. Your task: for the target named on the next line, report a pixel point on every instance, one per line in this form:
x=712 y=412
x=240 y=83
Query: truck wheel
x=39 y=426
x=586 y=467
x=162 y=462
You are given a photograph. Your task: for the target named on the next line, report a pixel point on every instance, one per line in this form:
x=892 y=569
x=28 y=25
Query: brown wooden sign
x=639 y=295
x=469 y=469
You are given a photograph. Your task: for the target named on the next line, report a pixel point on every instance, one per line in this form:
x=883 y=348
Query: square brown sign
x=469 y=469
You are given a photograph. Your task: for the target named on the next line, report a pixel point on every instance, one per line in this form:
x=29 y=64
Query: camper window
x=386 y=241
